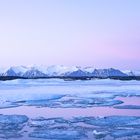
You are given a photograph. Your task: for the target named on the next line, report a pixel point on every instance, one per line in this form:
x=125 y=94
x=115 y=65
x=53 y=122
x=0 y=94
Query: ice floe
x=127 y=107
x=11 y=125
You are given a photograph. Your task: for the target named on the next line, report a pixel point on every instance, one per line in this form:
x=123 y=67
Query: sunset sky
x=98 y=33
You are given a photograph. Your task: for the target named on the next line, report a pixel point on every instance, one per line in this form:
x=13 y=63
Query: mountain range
x=63 y=71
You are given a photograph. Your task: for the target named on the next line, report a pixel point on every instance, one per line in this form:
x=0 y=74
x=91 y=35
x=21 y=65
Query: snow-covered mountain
x=58 y=70
x=78 y=73
x=97 y=72
x=37 y=71
x=15 y=71
x=33 y=72
x=132 y=73
x=107 y=72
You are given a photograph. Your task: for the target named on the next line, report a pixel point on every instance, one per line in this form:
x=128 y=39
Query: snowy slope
x=3 y=71
x=132 y=73
x=59 y=70
x=89 y=69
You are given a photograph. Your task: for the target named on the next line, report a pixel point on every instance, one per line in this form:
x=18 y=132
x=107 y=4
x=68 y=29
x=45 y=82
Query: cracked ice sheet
x=38 y=91
x=86 y=128
x=79 y=128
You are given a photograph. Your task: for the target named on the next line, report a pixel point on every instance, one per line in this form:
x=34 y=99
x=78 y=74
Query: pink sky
x=85 y=33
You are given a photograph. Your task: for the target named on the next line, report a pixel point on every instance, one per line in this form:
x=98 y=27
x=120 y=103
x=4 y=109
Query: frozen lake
x=69 y=110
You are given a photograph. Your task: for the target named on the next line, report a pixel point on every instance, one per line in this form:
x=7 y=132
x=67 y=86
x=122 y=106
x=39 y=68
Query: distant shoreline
x=71 y=78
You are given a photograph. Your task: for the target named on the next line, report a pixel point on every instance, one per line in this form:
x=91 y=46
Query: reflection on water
x=32 y=111
x=129 y=100
x=69 y=112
